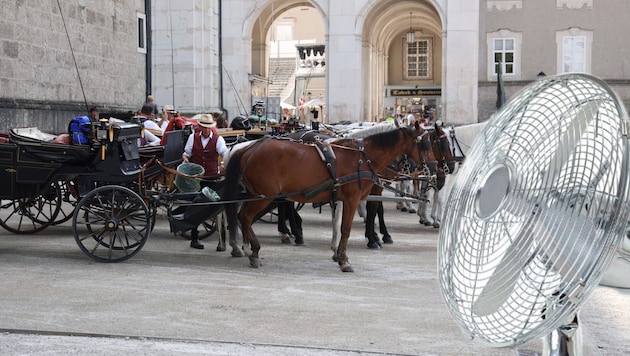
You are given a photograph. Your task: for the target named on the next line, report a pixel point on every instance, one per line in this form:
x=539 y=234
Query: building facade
x=365 y=59
x=541 y=37
x=57 y=59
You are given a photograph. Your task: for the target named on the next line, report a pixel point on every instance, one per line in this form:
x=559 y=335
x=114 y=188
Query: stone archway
x=384 y=44
x=280 y=35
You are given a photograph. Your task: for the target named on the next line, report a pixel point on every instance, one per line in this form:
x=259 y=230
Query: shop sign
x=416 y=92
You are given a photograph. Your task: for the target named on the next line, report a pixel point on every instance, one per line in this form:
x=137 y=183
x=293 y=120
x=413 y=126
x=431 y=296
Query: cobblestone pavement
x=171 y=299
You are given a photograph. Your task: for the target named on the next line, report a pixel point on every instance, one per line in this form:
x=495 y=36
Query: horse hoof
x=335 y=258
x=285 y=239
x=373 y=246
x=220 y=248
x=254 y=262
x=299 y=242
x=346 y=267
x=412 y=211
x=426 y=223
x=436 y=225
x=387 y=240
x=237 y=253
x=403 y=209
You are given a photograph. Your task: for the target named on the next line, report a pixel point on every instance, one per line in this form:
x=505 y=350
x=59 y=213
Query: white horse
x=461 y=139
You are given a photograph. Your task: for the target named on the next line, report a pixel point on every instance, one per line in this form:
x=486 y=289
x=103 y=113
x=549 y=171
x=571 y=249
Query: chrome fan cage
x=537 y=212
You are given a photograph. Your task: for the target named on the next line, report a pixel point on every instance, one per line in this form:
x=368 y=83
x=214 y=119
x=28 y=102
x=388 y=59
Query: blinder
x=424 y=145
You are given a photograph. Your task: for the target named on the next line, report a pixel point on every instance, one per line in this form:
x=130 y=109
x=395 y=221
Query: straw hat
x=207 y=120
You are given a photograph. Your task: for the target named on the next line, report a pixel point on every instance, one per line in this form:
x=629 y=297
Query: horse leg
x=398 y=186
x=422 y=204
x=246 y=217
x=220 y=222
x=440 y=201
x=370 y=231
x=336 y=233
x=349 y=209
x=387 y=238
x=282 y=222
x=407 y=187
x=295 y=221
x=425 y=219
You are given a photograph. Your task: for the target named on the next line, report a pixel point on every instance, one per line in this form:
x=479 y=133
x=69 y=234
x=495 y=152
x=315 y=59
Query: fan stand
x=564 y=341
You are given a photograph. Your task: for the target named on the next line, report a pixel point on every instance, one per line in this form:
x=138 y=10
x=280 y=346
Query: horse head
x=422 y=152
x=442 y=149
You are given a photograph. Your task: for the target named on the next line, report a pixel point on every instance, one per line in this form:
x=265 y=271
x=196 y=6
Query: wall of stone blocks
x=40 y=85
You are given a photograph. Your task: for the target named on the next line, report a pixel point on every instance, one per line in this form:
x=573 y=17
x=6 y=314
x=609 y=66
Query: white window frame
x=428 y=56
x=284 y=31
x=566 y=55
x=517 y=39
x=141 y=29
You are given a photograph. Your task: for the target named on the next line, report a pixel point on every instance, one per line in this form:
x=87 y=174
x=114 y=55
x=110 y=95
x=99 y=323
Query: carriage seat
x=63 y=139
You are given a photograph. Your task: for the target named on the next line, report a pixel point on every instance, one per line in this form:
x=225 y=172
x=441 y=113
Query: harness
x=327 y=155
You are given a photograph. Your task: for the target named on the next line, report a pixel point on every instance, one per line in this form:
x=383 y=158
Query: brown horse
x=272 y=168
x=446 y=165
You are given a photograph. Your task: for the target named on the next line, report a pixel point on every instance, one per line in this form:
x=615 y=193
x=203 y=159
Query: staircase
x=282 y=76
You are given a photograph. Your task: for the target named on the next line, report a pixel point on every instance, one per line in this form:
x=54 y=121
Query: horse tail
x=232 y=190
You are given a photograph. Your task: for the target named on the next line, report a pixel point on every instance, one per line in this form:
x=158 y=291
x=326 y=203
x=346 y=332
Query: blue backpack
x=80 y=128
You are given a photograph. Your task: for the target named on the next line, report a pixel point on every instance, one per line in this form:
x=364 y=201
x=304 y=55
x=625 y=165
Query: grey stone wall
x=39 y=82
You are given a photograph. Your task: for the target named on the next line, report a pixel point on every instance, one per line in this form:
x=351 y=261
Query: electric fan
x=537 y=212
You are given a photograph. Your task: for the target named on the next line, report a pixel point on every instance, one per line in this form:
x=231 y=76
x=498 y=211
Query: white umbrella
x=313 y=103
x=286 y=106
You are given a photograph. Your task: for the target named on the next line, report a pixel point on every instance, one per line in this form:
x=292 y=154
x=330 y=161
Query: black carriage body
x=29 y=166
x=121 y=161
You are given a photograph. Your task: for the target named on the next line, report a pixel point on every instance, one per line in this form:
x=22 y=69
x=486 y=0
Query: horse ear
x=397 y=123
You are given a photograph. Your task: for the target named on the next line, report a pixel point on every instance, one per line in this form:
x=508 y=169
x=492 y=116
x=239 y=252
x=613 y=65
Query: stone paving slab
x=172 y=299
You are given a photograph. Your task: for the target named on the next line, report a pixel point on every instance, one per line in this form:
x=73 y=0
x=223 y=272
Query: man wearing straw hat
x=204 y=148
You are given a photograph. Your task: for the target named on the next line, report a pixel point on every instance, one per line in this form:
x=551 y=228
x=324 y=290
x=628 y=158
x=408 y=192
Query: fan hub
x=492 y=192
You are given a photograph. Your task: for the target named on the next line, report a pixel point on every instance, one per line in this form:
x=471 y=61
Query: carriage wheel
x=206 y=228
x=271 y=217
x=69 y=194
x=31 y=215
x=111 y=223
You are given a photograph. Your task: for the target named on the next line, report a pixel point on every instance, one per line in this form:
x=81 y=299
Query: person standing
x=146 y=119
x=204 y=148
x=93 y=115
x=151 y=102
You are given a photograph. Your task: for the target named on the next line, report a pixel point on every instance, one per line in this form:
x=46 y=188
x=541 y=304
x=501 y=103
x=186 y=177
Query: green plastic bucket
x=185 y=184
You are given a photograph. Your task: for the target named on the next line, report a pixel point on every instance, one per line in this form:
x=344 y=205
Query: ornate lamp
x=411 y=35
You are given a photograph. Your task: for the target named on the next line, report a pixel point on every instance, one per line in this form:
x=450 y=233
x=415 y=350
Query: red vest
x=206 y=157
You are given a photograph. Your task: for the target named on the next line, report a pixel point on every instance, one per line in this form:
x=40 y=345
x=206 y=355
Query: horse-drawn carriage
x=112 y=186
x=117 y=188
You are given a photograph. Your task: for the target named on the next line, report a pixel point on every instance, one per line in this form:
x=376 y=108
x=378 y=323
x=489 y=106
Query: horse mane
x=370 y=131
x=466 y=135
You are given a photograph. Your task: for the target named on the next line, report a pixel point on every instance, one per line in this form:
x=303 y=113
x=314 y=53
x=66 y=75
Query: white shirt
x=152 y=125
x=221 y=147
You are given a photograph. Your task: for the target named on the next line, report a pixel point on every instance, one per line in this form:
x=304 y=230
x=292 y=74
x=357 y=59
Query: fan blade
x=501 y=283
x=567 y=236
x=570 y=140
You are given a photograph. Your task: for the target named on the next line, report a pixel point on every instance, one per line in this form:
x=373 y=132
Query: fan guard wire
x=537 y=211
